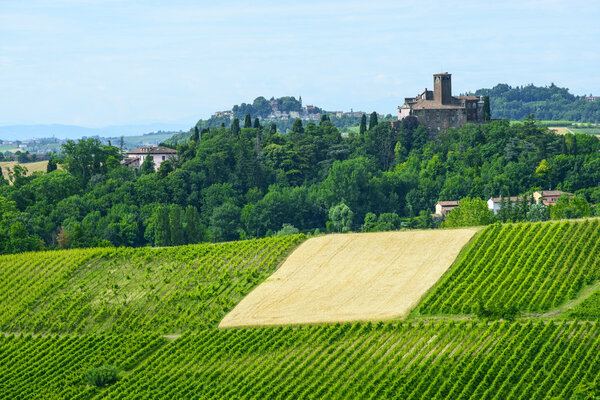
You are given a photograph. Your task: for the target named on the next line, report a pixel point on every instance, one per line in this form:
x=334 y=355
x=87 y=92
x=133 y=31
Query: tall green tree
x=373 y=120
x=162 y=230
x=341 y=217
x=87 y=157
x=147 y=166
x=176 y=225
x=51 y=165
x=363 y=124
x=256 y=123
x=297 y=127
x=248 y=121
x=470 y=212
x=196 y=134
x=194 y=230
x=487 y=112
x=235 y=127
x=225 y=222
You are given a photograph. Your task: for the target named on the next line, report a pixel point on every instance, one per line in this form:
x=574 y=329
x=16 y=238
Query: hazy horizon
x=98 y=63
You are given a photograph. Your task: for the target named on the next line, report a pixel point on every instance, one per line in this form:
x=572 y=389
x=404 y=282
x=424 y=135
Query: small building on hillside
x=136 y=157
x=444 y=207
x=545 y=197
x=438 y=110
x=549 y=197
x=495 y=203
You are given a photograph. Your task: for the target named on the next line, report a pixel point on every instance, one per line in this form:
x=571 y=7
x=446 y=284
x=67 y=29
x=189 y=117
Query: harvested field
x=350 y=277
x=31 y=167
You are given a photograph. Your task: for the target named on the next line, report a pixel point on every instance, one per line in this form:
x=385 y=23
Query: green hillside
x=358 y=361
x=528 y=267
x=54 y=366
x=165 y=290
x=151 y=315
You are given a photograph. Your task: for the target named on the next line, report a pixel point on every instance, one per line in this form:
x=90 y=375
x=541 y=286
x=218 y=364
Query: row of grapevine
x=53 y=367
x=436 y=360
x=530 y=266
x=166 y=290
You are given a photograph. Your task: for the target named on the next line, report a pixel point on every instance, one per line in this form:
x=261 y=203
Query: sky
x=96 y=63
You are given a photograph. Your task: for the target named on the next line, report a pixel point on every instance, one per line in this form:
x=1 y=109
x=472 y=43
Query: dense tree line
x=254 y=181
x=547 y=103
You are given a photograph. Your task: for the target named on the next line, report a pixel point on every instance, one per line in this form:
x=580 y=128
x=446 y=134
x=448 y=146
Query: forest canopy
x=236 y=183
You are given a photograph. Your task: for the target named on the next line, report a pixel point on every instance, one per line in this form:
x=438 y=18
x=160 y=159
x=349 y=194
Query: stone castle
x=438 y=110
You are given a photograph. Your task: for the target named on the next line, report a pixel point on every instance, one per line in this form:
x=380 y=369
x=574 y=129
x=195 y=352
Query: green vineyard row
x=436 y=360
x=164 y=290
x=53 y=367
x=530 y=266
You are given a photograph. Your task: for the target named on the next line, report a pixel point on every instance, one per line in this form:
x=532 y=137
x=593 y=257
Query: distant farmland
x=31 y=167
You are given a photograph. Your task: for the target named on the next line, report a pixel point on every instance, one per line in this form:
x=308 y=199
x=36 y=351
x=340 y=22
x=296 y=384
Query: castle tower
x=442 y=88
x=300 y=101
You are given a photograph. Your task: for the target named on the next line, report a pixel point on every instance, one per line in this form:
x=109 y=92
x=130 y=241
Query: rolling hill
x=152 y=315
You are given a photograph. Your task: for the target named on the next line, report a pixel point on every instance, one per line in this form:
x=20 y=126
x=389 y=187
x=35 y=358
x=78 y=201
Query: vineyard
x=354 y=361
x=53 y=367
x=149 y=317
x=165 y=290
x=533 y=267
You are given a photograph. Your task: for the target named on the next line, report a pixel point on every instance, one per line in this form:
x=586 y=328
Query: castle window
x=437 y=117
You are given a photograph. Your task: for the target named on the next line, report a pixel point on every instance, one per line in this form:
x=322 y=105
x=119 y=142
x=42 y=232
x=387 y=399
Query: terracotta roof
x=467 y=97
x=434 y=105
x=545 y=193
x=510 y=198
x=448 y=203
x=152 y=150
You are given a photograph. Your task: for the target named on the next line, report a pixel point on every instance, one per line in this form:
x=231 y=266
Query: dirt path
x=368 y=276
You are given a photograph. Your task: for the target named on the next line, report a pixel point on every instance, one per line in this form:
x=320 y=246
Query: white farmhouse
x=136 y=157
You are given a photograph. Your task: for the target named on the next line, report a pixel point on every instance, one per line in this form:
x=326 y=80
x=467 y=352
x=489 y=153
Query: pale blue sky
x=102 y=62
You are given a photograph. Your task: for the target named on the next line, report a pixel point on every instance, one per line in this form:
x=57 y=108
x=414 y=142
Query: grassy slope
x=166 y=290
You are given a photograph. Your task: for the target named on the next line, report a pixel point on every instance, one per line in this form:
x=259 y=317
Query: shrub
x=101 y=376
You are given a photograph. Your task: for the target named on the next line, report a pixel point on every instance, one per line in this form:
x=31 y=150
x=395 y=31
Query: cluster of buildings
x=306 y=113
x=592 y=98
x=439 y=110
x=545 y=197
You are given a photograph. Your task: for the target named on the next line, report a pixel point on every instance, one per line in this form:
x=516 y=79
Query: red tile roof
x=152 y=150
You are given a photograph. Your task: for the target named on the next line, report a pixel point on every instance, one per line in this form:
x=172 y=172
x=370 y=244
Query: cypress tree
x=487 y=113
x=196 y=135
x=373 y=120
x=162 y=232
x=273 y=129
x=256 y=123
x=248 y=121
x=297 y=127
x=363 y=124
x=176 y=226
x=49 y=168
x=235 y=127
x=193 y=227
